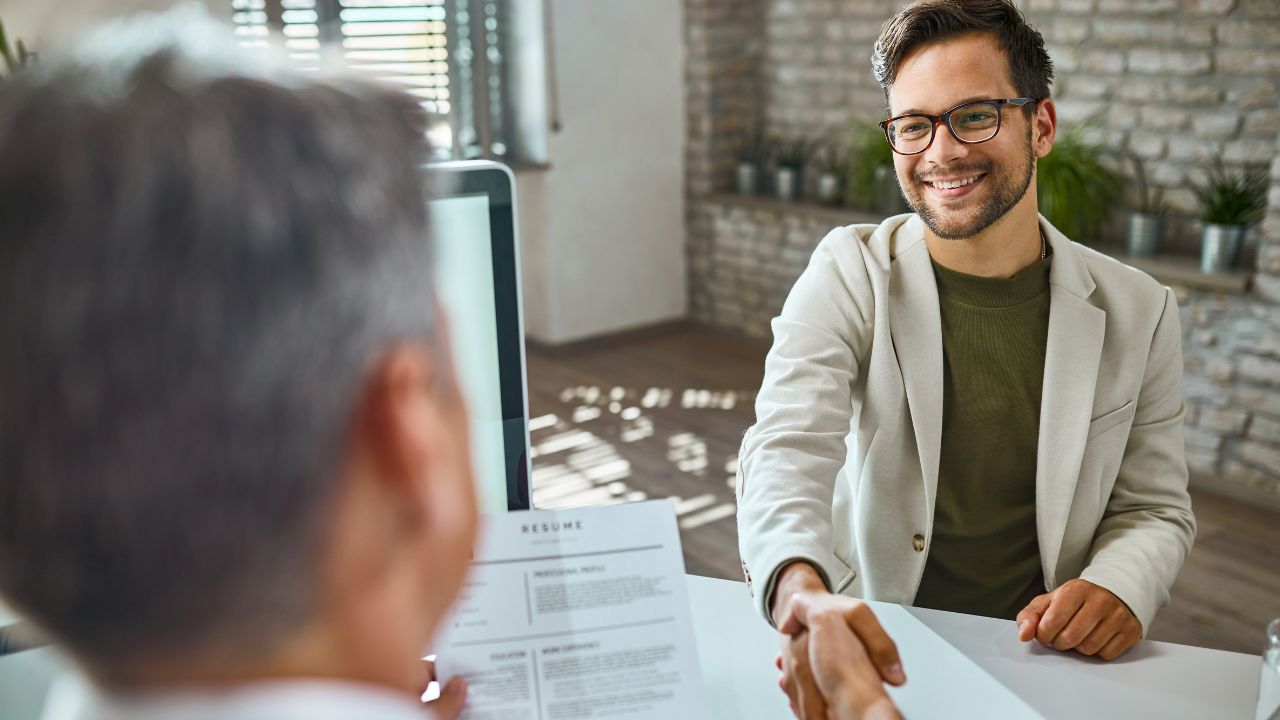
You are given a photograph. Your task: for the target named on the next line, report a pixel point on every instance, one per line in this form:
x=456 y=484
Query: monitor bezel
x=474 y=177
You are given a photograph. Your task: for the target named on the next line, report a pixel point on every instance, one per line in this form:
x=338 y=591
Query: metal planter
x=748 y=178
x=889 y=200
x=1220 y=246
x=1146 y=232
x=828 y=188
x=786 y=183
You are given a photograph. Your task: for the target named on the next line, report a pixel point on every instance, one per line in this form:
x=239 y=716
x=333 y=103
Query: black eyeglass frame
x=945 y=118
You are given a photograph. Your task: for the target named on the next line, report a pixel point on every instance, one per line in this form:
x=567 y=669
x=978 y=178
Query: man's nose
x=945 y=148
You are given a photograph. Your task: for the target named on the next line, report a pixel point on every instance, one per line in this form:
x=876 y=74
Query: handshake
x=836 y=658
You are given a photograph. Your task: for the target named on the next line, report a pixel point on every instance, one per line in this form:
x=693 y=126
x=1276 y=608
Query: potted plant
x=1075 y=189
x=1146 y=222
x=835 y=168
x=751 y=162
x=870 y=182
x=1229 y=202
x=790 y=159
x=13 y=60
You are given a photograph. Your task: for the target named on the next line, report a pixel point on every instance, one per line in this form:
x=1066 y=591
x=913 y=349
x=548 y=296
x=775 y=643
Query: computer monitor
x=477 y=273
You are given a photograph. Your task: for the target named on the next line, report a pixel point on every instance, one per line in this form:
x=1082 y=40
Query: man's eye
x=914 y=128
x=977 y=118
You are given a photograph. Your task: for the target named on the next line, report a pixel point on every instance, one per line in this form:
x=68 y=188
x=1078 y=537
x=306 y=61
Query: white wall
x=603 y=228
x=43 y=24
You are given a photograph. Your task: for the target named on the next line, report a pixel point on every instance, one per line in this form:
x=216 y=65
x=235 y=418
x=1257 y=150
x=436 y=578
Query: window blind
x=447 y=53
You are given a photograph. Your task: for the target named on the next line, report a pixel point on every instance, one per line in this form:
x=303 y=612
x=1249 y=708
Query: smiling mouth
x=954 y=184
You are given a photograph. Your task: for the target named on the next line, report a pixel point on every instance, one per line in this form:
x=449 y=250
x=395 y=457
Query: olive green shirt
x=984 y=558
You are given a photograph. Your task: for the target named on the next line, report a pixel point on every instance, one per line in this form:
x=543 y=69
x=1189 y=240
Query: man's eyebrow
x=917 y=111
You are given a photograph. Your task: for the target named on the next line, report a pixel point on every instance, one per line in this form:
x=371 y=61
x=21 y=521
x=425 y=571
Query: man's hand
x=453 y=694
x=828 y=631
x=1083 y=617
x=799 y=581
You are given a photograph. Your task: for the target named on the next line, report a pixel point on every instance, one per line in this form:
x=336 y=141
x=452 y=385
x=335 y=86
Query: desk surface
x=966 y=666
x=957 y=666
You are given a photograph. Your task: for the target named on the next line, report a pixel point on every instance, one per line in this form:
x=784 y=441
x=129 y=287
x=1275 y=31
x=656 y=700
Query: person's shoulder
x=871 y=244
x=1134 y=301
x=1114 y=277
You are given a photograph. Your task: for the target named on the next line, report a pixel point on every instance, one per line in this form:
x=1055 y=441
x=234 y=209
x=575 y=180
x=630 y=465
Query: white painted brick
x=1137 y=7
x=1219 y=124
x=1195 y=92
x=1249 y=62
x=1148 y=147
x=1139 y=88
x=1260 y=370
x=1262 y=457
x=1164 y=118
x=1248 y=33
x=1263 y=122
x=1217 y=8
x=1085 y=87
x=1065 y=57
x=1102 y=61
x=1153 y=61
x=1076 y=6
x=1260 y=8
x=1125 y=31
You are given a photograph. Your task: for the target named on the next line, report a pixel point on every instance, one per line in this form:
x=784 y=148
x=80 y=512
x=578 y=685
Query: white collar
x=72 y=699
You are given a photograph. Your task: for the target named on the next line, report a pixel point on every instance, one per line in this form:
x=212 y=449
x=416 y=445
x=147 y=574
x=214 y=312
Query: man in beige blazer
x=875 y=470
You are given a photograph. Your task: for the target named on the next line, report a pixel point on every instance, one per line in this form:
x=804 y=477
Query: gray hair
x=195 y=275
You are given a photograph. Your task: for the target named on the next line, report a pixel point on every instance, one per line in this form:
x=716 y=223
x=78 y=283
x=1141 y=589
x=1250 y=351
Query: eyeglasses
x=970 y=123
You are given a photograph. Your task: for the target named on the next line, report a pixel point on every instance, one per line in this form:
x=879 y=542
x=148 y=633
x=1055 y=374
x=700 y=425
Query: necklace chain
x=1044 y=245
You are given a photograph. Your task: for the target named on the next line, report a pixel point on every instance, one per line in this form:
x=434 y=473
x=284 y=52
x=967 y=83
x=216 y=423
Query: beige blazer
x=841 y=467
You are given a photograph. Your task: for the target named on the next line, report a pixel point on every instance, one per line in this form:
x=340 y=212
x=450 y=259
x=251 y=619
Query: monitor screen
x=476 y=280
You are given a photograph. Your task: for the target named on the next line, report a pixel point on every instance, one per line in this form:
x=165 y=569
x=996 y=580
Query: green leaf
x=1076 y=191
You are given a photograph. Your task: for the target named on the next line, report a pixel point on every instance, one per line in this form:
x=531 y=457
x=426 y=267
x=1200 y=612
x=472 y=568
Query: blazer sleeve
x=790 y=457
x=1147 y=527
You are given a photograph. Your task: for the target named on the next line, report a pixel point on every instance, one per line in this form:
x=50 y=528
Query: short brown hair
x=931 y=21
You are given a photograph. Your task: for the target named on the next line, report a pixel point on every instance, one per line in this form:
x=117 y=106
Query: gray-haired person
x=234 y=476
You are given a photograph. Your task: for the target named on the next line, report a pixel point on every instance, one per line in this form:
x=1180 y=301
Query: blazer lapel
x=1072 y=354
x=916 y=329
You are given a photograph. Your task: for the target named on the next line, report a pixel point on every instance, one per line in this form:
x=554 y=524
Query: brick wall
x=1178 y=80
x=724 y=43
x=1175 y=81
x=1231 y=354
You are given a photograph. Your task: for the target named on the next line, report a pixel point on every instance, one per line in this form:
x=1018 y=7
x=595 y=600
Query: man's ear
x=415 y=437
x=1045 y=124
x=397 y=426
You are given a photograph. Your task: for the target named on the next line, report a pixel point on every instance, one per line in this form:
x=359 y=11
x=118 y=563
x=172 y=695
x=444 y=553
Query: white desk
x=957 y=666
x=961 y=666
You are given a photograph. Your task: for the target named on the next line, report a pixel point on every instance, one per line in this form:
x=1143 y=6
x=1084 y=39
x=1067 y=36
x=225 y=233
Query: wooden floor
x=662 y=416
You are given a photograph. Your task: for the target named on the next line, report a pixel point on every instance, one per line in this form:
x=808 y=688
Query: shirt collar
x=266 y=700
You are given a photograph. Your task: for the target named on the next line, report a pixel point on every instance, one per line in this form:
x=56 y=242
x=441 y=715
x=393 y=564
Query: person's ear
x=395 y=417
x=1045 y=127
x=414 y=430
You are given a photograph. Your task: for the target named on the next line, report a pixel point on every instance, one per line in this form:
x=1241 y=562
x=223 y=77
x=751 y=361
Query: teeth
x=953 y=184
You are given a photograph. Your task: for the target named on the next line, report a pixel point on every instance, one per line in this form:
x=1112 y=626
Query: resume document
x=578 y=613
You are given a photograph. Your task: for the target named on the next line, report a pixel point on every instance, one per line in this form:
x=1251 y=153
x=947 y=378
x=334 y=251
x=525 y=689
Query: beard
x=1005 y=189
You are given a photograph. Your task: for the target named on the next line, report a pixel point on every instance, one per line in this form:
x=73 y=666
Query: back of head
x=926 y=22
x=195 y=270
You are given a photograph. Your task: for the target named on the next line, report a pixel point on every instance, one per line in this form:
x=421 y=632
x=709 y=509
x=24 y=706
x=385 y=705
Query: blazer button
x=917 y=542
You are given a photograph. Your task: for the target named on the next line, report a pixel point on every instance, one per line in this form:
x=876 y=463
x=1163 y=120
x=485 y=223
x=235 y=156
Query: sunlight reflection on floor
x=579 y=454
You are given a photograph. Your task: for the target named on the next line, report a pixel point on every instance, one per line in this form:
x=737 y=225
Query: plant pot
x=828 y=188
x=785 y=182
x=1146 y=231
x=748 y=178
x=889 y=200
x=1220 y=246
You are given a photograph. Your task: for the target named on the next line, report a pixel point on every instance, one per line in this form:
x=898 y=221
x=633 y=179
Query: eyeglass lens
x=975 y=122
